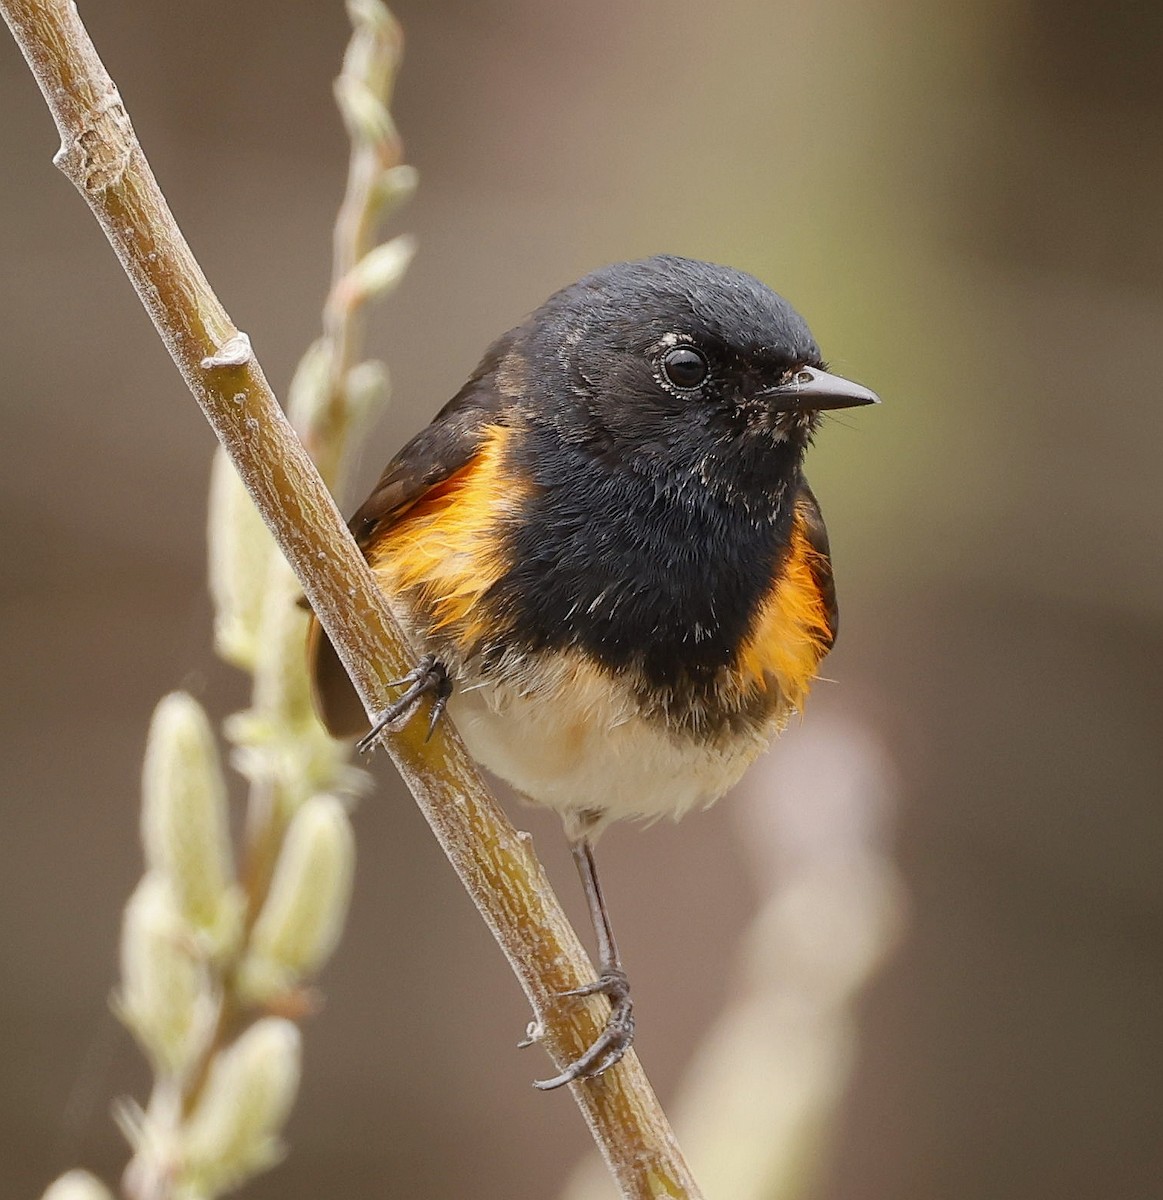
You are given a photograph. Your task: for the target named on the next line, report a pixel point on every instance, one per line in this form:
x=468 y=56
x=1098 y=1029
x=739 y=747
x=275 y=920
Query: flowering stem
x=102 y=157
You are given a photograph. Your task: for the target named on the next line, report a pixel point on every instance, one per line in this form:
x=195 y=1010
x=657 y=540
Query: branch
x=101 y=155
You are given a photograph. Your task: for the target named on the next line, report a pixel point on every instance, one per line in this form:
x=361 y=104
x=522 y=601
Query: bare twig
x=101 y=156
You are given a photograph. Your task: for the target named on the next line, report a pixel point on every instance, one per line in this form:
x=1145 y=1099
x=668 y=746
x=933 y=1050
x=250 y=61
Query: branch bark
x=100 y=154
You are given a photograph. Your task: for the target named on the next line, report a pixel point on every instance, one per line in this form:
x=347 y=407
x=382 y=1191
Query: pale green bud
x=364 y=113
x=165 y=996
x=184 y=819
x=281 y=688
x=280 y=737
x=240 y=549
x=233 y=1131
x=375 y=15
x=376 y=274
x=395 y=187
x=77 y=1185
x=298 y=760
x=302 y=918
x=310 y=384
x=374 y=51
x=366 y=386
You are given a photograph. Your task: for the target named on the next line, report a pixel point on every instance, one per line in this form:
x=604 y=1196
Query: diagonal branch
x=101 y=155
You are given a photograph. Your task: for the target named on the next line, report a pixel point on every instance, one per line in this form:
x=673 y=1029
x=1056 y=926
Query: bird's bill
x=813 y=390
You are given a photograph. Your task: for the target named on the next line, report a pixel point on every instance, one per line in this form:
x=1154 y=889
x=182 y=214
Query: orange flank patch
x=791 y=634
x=446 y=549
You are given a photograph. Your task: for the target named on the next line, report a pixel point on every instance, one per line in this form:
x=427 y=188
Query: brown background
x=965 y=202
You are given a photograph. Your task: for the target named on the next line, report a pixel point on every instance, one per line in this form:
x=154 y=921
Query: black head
x=682 y=370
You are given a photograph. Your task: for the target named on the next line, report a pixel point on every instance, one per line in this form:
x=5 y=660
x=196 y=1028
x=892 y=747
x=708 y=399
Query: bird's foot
x=615 y=1038
x=428 y=678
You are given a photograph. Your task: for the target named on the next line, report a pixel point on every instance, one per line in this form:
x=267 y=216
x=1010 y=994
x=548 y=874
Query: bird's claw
x=428 y=677
x=611 y=982
x=615 y=1039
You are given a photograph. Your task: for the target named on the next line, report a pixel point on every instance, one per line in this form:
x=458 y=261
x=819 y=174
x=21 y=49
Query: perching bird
x=609 y=557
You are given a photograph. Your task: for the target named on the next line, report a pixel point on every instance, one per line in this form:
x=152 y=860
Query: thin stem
x=263 y=837
x=101 y=156
x=375 y=46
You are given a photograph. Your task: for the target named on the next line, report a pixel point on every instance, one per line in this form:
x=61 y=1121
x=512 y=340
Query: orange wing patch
x=792 y=633
x=446 y=549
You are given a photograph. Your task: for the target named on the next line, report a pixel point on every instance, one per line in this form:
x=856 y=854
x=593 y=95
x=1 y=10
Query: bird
x=608 y=558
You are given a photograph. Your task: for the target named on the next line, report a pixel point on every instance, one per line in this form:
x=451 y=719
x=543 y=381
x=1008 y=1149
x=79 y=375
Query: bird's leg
x=428 y=678
x=615 y=1038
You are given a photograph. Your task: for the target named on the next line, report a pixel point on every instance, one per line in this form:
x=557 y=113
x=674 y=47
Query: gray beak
x=813 y=390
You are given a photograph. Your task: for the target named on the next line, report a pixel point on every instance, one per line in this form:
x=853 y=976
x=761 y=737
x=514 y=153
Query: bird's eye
x=684 y=366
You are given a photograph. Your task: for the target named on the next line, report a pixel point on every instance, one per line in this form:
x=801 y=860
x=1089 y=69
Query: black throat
x=652 y=570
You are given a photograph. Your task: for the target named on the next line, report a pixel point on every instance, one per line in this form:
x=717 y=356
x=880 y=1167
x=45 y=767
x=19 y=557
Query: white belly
x=572 y=741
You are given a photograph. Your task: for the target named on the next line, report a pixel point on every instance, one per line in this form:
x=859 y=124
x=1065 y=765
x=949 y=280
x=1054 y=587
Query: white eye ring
x=685 y=367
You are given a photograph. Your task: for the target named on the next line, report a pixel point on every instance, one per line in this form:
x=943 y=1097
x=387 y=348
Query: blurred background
x=964 y=201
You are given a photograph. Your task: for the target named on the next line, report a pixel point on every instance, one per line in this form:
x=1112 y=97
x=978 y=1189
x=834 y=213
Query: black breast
x=636 y=569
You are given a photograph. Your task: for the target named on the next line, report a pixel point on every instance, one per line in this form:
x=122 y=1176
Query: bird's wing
x=435 y=454
x=811 y=522
x=438 y=451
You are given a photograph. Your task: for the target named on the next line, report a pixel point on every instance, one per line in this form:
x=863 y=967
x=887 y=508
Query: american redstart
x=606 y=548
